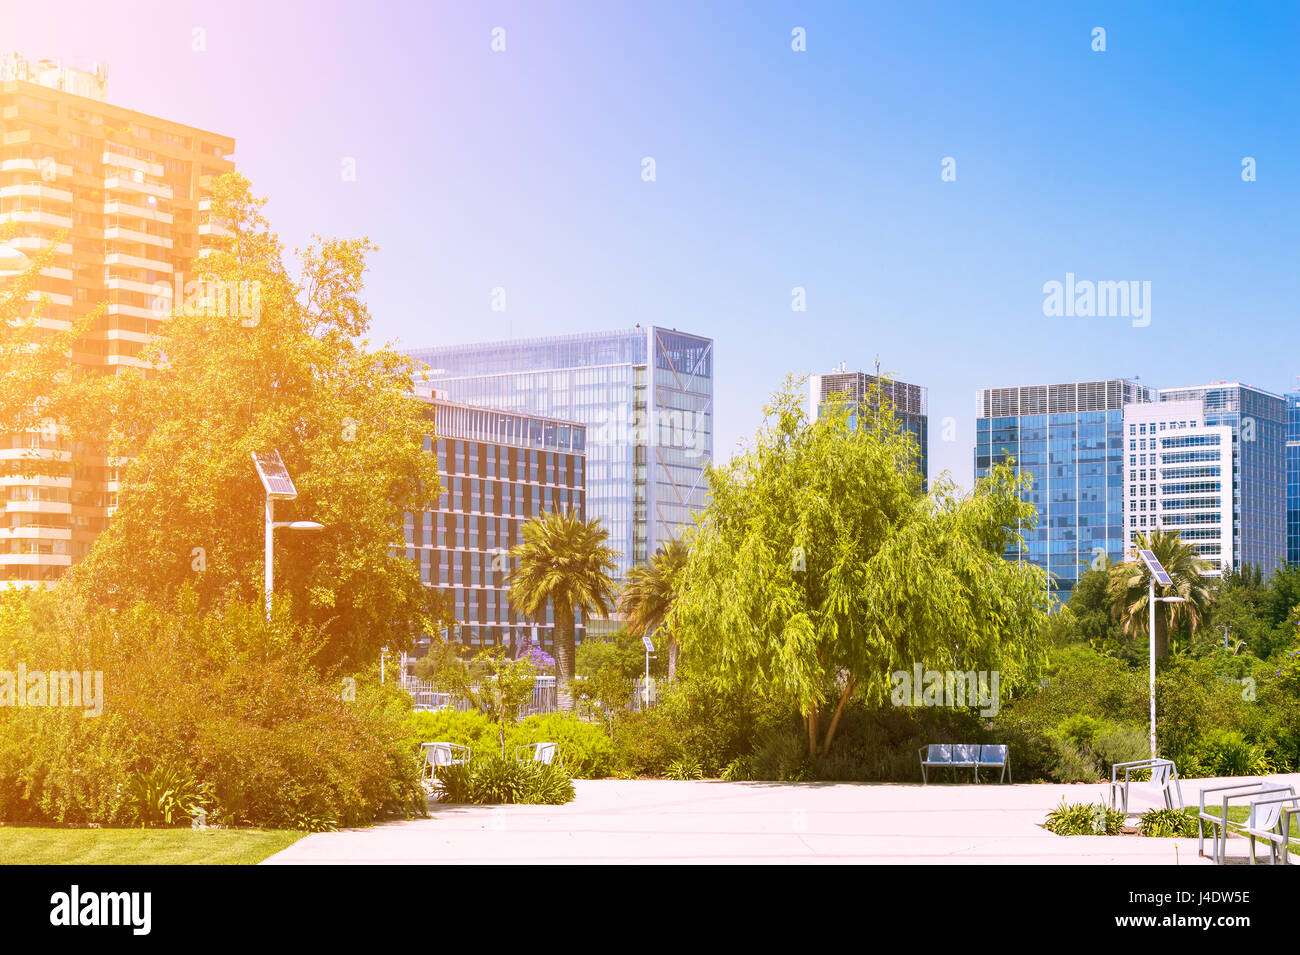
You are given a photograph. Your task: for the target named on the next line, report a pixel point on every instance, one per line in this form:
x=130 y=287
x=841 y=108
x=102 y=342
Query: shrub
x=470 y=728
x=688 y=767
x=164 y=796
x=585 y=749
x=1164 y=823
x=1084 y=819
x=740 y=769
x=492 y=780
x=221 y=710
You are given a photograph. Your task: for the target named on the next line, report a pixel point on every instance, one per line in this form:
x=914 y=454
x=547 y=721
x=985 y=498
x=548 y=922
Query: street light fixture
x=279 y=487
x=12 y=260
x=1157 y=574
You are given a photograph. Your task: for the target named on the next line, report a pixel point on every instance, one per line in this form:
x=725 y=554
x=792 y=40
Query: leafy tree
x=497 y=685
x=1090 y=617
x=820 y=568
x=563 y=561
x=1129 y=591
x=647 y=597
x=34 y=357
x=293 y=375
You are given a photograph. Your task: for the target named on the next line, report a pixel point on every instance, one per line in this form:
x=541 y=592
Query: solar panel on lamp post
x=279 y=487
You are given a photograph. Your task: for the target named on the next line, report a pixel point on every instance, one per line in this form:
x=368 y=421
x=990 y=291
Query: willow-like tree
x=563 y=561
x=647 y=597
x=1129 y=589
x=820 y=567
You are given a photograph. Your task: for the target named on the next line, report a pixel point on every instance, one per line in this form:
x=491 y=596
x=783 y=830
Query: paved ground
x=661 y=821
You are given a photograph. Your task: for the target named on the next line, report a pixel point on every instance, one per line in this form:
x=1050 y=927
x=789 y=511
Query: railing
x=426 y=696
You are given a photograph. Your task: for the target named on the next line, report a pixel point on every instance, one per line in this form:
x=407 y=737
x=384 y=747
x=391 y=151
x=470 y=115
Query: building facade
x=645 y=396
x=910 y=403
x=1070 y=438
x=1258 y=422
x=121 y=197
x=1293 y=477
x=497 y=470
x=1179 y=478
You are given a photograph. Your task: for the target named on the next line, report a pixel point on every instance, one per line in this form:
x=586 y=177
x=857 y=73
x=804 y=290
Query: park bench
x=970 y=756
x=1270 y=820
x=1221 y=824
x=1164 y=781
x=437 y=754
x=537 y=752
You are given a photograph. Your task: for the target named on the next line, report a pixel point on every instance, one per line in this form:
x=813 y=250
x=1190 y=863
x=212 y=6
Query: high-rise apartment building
x=121 y=197
x=1258 y=422
x=1071 y=438
x=645 y=396
x=497 y=470
x=1179 y=477
x=910 y=404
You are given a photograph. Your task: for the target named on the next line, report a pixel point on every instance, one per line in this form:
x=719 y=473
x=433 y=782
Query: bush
x=1084 y=819
x=218 y=711
x=1164 y=823
x=492 y=780
x=688 y=767
x=470 y=728
x=585 y=749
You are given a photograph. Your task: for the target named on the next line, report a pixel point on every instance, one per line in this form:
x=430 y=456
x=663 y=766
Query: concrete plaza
x=662 y=821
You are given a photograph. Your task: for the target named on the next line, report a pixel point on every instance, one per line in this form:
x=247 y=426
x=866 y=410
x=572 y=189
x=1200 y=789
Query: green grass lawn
x=21 y=845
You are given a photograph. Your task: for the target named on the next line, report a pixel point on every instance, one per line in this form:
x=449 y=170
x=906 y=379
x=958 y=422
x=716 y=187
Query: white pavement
x=662 y=821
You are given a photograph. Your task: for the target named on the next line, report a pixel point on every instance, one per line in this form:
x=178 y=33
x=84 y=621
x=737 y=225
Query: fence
x=426 y=697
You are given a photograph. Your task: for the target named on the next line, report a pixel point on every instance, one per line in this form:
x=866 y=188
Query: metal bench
x=970 y=756
x=1220 y=824
x=537 y=752
x=437 y=754
x=1270 y=820
x=1164 y=780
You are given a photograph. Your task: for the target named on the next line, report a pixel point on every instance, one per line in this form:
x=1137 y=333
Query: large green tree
x=250 y=360
x=1129 y=589
x=563 y=561
x=648 y=595
x=820 y=568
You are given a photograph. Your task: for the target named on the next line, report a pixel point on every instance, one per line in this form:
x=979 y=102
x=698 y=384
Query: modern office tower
x=1293 y=477
x=910 y=404
x=497 y=471
x=1179 y=477
x=1258 y=420
x=646 y=398
x=121 y=196
x=1070 y=438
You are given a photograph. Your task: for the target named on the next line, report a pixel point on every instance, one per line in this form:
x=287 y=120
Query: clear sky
x=820 y=169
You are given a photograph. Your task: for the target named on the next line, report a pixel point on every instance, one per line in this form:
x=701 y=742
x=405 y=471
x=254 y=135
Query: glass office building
x=1071 y=439
x=497 y=471
x=1293 y=477
x=1258 y=420
x=910 y=404
x=645 y=396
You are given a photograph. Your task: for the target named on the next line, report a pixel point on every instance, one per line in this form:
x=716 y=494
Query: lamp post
x=1156 y=573
x=278 y=486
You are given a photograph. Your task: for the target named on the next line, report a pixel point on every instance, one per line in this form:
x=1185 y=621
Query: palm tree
x=1128 y=588
x=648 y=596
x=563 y=560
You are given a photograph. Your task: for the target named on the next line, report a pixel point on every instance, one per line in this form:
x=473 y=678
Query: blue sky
x=775 y=169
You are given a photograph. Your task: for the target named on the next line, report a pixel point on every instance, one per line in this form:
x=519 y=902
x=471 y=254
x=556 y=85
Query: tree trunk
x=565 y=657
x=835 y=720
x=811 y=720
x=672 y=659
x=1162 y=632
